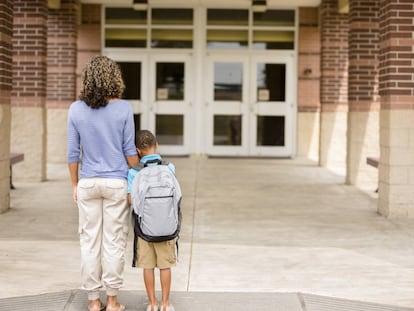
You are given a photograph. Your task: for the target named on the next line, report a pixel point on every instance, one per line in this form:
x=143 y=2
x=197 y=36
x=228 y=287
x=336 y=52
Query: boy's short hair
x=144 y=139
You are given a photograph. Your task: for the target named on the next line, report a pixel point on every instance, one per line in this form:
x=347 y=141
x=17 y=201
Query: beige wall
x=28 y=128
x=56 y=136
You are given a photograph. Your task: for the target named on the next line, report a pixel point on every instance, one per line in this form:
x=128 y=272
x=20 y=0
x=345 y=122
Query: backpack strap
x=141 y=165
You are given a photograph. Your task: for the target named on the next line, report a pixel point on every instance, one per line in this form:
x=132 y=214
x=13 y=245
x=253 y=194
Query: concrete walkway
x=257 y=234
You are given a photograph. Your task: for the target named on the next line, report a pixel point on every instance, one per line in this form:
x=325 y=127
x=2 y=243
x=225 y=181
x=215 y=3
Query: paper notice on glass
x=263 y=95
x=162 y=94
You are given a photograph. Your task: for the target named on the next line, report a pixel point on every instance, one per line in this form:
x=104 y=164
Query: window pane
x=227 y=17
x=117 y=16
x=273 y=40
x=271 y=79
x=131 y=74
x=172 y=16
x=274 y=18
x=170 y=81
x=125 y=37
x=227 y=130
x=137 y=122
x=172 y=38
x=169 y=129
x=270 y=131
x=228 y=81
x=227 y=39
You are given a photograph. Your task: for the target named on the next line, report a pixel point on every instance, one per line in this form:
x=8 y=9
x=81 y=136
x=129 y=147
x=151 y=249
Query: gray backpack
x=156 y=198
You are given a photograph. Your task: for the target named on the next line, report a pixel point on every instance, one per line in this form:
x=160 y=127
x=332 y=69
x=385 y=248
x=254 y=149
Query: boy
x=153 y=254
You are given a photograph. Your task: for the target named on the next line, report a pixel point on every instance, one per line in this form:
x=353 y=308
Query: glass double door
x=250 y=105
x=159 y=89
x=243 y=105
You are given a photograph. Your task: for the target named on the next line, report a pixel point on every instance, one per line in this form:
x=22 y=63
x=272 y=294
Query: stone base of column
x=363 y=142
x=332 y=152
x=29 y=137
x=5 y=117
x=56 y=135
x=396 y=168
x=308 y=135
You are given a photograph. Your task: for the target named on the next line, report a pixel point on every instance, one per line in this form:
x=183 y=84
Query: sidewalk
x=257 y=234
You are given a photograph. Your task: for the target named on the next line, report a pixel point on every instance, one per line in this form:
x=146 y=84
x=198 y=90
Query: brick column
x=396 y=86
x=334 y=86
x=61 y=75
x=363 y=98
x=308 y=84
x=6 y=33
x=89 y=38
x=29 y=88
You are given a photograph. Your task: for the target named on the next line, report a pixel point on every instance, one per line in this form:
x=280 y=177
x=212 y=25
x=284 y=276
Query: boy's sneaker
x=150 y=308
x=170 y=307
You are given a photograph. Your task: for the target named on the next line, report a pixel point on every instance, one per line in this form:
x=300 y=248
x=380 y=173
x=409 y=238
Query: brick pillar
x=334 y=86
x=363 y=98
x=29 y=88
x=308 y=84
x=6 y=33
x=396 y=169
x=89 y=37
x=61 y=75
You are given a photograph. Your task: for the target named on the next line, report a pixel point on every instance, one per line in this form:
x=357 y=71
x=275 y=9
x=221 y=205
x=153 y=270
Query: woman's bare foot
x=96 y=305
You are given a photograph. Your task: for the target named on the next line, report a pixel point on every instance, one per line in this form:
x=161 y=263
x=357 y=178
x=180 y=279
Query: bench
x=14 y=158
x=373 y=161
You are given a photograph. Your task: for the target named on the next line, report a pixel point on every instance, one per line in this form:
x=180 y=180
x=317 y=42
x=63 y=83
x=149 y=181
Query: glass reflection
x=227 y=130
x=169 y=129
x=271 y=77
x=172 y=38
x=228 y=81
x=227 y=39
x=170 y=81
x=131 y=74
x=270 y=131
x=172 y=17
x=226 y=17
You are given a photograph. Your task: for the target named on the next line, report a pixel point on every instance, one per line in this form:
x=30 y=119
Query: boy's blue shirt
x=132 y=172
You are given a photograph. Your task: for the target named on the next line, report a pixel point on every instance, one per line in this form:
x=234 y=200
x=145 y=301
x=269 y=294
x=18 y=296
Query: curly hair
x=144 y=139
x=101 y=81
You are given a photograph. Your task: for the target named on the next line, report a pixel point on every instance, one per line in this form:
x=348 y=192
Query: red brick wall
x=61 y=54
x=334 y=57
x=396 y=65
x=29 y=53
x=6 y=33
x=363 y=55
x=309 y=59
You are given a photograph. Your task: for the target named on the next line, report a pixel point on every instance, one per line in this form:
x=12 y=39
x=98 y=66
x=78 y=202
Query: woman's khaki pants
x=103 y=230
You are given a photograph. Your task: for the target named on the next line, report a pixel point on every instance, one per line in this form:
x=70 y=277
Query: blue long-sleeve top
x=105 y=136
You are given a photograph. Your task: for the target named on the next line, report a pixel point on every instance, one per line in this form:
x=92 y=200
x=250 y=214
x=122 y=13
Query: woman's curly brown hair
x=101 y=81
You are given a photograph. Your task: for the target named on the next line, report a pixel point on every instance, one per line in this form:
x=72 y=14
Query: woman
x=100 y=134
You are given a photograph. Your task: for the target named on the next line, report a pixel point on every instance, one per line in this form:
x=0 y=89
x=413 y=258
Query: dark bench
x=14 y=158
x=373 y=161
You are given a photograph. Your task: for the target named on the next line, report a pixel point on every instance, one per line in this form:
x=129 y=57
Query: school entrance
x=215 y=81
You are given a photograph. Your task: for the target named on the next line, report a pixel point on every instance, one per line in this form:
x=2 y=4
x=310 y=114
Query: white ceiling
x=218 y=3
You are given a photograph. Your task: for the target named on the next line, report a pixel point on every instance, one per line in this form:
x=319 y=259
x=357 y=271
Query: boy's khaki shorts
x=155 y=254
